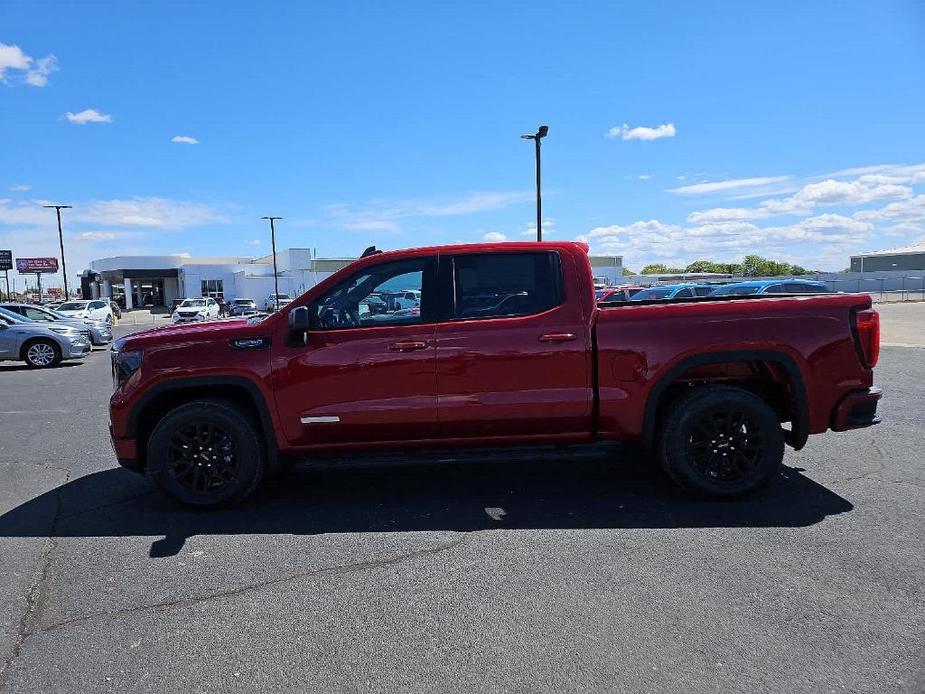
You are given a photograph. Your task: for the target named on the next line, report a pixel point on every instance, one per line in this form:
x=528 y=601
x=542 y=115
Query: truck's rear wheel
x=206 y=453
x=721 y=441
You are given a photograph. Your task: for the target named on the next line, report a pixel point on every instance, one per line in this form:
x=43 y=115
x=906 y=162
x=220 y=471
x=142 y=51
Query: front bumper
x=78 y=350
x=189 y=319
x=101 y=337
x=858 y=409
x=126 y=451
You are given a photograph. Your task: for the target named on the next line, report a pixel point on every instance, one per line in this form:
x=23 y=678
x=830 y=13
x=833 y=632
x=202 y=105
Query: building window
x=213 y=288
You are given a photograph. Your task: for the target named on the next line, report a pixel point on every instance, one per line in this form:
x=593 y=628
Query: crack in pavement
x=38 y=591
x=341 y=569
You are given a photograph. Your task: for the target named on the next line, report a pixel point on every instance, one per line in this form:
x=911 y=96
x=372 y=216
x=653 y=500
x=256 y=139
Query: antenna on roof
x=372 y=250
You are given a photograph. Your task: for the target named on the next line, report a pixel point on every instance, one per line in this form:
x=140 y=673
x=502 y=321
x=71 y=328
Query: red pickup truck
x=491 y=345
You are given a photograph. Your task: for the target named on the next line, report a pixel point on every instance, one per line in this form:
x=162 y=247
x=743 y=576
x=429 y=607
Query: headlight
x=65 y=331
x=175 y=315
x=124 y=364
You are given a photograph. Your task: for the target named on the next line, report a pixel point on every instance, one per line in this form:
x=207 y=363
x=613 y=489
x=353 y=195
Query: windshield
x=73 y=306
x=280 y=296
x=654 y=293
x=189 y=303
x=243 y=302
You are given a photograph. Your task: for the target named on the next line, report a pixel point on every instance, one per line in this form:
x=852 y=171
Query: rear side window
x=702 y=291
x=498 y=285
x=797 y=288
x=775 y=289
x=97 y=304
x=684 y=293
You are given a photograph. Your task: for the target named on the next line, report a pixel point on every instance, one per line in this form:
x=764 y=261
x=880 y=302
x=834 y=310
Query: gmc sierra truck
x=491 y=345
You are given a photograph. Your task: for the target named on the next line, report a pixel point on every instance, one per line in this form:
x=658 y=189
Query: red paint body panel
x=570 y=374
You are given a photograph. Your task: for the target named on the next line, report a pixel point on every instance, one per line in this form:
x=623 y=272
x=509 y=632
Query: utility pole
x=58 y=209
x=541 y=132
x=275 y=273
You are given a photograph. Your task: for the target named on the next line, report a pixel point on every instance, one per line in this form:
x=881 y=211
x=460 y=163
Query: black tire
x=720 y=441
x=41 y=353
x=228 y=465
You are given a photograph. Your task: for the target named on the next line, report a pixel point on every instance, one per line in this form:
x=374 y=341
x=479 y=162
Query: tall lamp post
x=541 y=132
x=275 y=274
x=57 y=209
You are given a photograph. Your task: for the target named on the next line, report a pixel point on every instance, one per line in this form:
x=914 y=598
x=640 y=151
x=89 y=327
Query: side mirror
x=300 y=320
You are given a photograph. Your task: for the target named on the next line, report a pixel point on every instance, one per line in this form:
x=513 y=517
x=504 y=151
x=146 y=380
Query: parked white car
x=97 y=309
x=270 y=303
x=192 y=310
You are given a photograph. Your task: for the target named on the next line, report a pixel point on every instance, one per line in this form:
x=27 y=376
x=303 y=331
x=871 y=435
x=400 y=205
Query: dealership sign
x=35 y=265
x=6 y=260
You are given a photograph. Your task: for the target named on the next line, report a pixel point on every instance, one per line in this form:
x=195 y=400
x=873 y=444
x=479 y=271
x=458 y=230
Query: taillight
x=867 y=324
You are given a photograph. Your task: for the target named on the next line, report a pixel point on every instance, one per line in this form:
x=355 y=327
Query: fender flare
x=178 y=384
x=799 y=432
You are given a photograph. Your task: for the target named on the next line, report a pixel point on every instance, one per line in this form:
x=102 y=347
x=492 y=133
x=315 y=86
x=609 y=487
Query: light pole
x=275 y=275
x=539 y=135
x=58 y=209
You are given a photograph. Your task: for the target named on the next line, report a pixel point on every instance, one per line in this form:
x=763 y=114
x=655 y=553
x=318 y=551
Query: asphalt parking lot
x=587 y=575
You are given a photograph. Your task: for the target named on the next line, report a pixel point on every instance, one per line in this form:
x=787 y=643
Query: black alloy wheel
x=207 y=453
x=720 y=441
x=203 y=457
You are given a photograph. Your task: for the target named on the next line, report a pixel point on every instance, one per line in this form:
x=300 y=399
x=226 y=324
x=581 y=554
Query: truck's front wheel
x=206 y=453
x=721 y=441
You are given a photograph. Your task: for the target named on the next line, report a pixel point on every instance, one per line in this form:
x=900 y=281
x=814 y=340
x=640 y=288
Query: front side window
x=97 y=304
x=386 y=294
x=502 y=285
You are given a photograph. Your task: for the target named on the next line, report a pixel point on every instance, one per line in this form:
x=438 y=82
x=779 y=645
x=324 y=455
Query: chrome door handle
x=557 y=337
x=410 y=346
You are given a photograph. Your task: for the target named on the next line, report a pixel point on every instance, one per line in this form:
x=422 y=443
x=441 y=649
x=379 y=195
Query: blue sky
x=677 y=131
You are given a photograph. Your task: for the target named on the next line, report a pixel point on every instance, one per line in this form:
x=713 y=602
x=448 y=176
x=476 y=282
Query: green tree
x=660 y=269
x=627 y=272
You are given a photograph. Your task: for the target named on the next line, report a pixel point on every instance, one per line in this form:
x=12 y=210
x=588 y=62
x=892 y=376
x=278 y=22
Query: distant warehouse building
x=908 y=258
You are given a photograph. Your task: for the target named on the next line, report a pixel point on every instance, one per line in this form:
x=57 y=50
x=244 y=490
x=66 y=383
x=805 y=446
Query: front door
x=514 y=358
x=367 y=372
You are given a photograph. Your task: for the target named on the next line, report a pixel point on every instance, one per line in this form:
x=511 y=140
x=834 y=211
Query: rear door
x=514 y=350
x=367 y=372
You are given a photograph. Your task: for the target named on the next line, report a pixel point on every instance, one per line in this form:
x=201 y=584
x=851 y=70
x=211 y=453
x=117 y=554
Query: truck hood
x=210 y=330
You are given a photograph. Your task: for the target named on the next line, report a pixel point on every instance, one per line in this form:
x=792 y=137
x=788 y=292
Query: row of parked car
x=690 y=290
x=43 y=337
x=207 y=308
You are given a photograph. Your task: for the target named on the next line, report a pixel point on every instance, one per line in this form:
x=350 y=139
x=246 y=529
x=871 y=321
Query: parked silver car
x=100 y=331
x=40 y=345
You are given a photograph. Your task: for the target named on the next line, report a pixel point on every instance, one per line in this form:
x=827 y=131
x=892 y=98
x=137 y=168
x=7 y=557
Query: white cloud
x=642 y=132
x=728 y=185
x=89 y=115
x=98 y=235
x=253 y=242
x=184 y=140
x=549 y=228
x=493 y=236
x=832 y=192
x=725 y=214
x=20 y=187
x=30 y=70
x=471 y=203
x=644 y=177
x=161 y=213
x=386 y=215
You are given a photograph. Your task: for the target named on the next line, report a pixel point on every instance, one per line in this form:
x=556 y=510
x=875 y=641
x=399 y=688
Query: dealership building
x=156 y=280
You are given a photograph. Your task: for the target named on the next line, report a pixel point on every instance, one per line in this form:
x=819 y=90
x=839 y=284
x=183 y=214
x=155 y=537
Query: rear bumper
x=858 y=409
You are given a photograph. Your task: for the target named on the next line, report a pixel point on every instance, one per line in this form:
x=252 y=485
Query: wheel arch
x=659 y=395
x=39 y=338
x=161 y=398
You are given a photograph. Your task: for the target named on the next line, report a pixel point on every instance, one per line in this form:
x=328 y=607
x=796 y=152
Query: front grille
x=85 y=333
